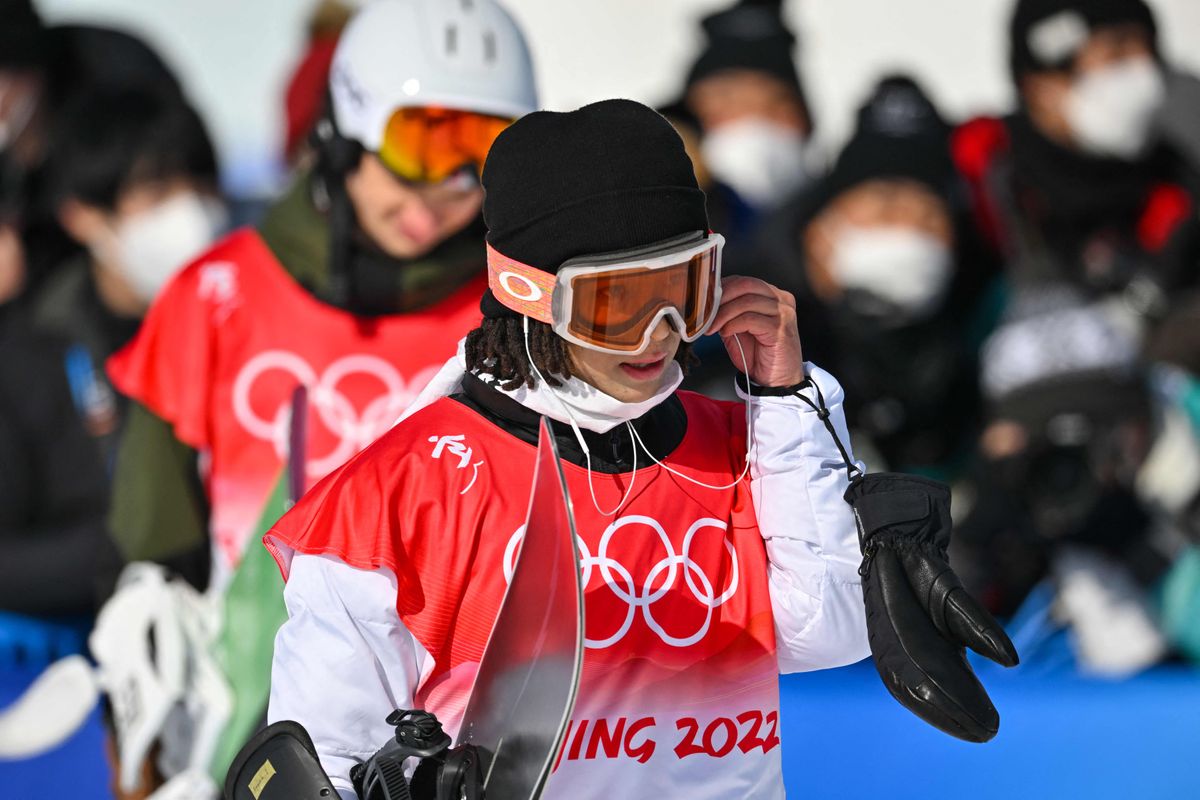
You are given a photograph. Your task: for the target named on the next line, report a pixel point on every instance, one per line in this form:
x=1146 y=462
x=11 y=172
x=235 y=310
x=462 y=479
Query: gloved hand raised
x=919 y=617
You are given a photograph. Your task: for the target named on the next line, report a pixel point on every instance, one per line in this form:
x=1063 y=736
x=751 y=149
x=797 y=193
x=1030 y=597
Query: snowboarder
x=397 y=563
x=716 y=547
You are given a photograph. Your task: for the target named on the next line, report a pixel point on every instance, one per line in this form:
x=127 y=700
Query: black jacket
x=60 y=421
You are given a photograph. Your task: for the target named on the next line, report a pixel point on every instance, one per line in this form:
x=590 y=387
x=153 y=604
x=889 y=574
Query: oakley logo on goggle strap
x=529 y=291
x=521 y=287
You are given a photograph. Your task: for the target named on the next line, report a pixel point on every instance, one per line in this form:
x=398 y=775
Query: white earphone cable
x=587 y=455
x=749 y=434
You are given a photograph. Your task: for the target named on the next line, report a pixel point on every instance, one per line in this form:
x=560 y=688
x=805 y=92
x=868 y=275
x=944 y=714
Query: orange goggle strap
x=520 y=287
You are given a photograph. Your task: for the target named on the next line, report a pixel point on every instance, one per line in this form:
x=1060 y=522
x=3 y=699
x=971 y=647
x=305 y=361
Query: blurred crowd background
x=987 y=212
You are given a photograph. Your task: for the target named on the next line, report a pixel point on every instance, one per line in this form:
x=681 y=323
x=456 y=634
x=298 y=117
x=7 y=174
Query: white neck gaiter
x=591 y=408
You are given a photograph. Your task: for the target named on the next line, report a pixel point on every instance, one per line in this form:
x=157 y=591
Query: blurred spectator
x=41 y=69
x=891 y=283
x=306 y=89
x=132 y=178
x=1068 y=435
x=1088 y=193
x=747 y=126
x=134 y=181
x=357 y=285
x=745 y=117
x=1076 y=185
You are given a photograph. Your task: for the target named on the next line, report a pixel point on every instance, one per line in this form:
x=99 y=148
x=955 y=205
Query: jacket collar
x=662 y=428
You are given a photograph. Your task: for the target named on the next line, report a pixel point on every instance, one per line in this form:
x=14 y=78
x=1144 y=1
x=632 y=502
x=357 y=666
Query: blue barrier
x=75 y=771
x=30 y=642
x=1061 y=736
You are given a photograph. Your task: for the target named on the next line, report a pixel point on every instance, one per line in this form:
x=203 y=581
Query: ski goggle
x=612 y=302
x=428 y=145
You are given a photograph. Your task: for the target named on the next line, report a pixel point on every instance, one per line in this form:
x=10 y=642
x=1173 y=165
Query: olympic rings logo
x=352 y=429
x=666 y=572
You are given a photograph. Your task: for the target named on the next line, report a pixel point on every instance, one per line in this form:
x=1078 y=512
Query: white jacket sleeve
x=797 y=481
x=343 y=661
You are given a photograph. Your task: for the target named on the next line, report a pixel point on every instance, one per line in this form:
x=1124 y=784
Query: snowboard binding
x=442 y=773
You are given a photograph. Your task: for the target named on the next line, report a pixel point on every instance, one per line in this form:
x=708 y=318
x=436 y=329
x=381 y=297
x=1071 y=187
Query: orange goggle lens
x=428 y=145
x=612 y=309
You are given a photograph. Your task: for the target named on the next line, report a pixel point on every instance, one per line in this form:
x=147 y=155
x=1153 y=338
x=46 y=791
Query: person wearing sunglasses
x=356 y=285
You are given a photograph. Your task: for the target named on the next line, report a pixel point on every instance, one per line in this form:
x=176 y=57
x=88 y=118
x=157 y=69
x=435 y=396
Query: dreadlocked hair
x=497 y=347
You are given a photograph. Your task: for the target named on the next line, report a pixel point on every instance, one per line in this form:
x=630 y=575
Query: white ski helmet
x=467 y=55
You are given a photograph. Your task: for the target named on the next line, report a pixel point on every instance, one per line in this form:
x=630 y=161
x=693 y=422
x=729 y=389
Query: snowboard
x=528 y=678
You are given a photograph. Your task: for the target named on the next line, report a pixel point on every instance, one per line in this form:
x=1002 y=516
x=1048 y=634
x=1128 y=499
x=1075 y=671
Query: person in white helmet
x=357 y=284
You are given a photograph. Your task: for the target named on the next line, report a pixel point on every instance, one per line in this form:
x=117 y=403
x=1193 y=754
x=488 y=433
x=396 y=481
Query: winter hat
x=1087 y=342
x=1046 y=34
x=750 y=35
x=96 y=58
x=609 y=176
x=899 y=134
x=22 y=35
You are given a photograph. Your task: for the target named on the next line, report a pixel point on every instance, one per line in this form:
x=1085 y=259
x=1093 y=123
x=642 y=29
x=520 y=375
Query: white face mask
x=763 y=161
x=1111 y=109
x=906 y=270
x=151 y=246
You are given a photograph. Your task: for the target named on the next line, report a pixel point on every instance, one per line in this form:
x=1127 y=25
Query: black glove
x=919 y=617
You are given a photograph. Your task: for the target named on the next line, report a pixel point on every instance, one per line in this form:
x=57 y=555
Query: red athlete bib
x=680 y=681
x=228 y=341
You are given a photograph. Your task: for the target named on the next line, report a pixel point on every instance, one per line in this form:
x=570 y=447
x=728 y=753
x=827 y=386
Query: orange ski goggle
x=428 y=145
x=612 y=302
